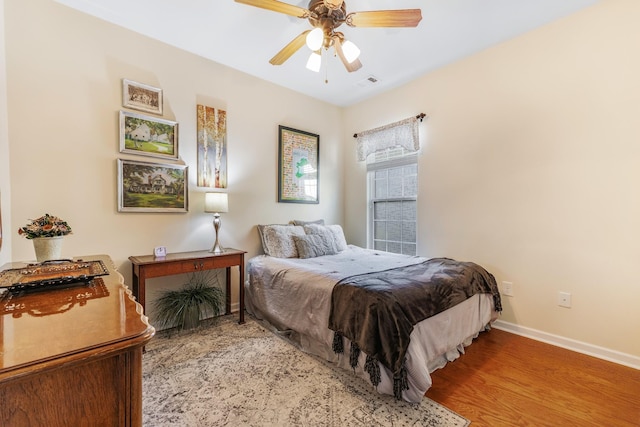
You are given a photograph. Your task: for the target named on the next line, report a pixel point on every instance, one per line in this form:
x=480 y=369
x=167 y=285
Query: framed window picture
x=298 y=166
x=141 y=97
x=148 y=136
x=152 y=187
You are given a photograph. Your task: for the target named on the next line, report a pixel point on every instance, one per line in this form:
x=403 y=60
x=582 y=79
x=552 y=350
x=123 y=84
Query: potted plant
x=47 y=233
x=183 y=308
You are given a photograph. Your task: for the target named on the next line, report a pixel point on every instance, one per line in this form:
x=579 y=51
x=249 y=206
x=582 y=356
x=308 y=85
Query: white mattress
x=294 y=296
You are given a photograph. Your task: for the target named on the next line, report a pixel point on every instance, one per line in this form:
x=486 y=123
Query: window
x=392 y=170
x=393 y=193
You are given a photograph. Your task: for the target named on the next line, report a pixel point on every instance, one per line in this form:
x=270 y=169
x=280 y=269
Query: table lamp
x=216 y=203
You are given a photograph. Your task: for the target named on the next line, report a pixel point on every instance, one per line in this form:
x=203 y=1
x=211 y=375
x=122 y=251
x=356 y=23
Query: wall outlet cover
x=564 y=299
x=507 y=289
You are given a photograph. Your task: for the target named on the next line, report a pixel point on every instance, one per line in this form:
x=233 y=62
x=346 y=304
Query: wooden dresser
x=72 y=356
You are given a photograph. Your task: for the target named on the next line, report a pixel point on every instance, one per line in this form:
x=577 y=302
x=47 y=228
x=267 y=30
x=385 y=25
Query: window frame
x=388 y=159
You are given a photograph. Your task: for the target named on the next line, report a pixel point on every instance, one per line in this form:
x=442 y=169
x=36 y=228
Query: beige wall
x=5 y=249
x=530 y=167
x=64 y=72
x=529 y=164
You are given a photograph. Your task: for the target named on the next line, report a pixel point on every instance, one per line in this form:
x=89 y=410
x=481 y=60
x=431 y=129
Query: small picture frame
x=298 y=166
x=148 y=136
x=152 y=187
x=141 y=97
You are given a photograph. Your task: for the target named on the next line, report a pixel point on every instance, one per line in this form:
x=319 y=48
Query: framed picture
x=152 y=187
x=212 y=147
x=298 y=166
x=141 y=97
x=148 y=136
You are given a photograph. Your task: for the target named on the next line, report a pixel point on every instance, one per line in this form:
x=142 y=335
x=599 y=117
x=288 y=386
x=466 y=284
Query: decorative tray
x=51 y=273
x=58 y=299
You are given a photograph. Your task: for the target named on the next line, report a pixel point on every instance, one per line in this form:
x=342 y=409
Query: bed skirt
x=434 y=342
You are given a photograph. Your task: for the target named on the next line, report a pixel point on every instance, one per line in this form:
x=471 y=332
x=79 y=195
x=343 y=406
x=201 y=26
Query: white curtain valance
x=403 y=133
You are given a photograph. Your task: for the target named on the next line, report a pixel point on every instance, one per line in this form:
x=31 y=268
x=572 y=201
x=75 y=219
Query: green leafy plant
x=45 y=226
x=183 y=308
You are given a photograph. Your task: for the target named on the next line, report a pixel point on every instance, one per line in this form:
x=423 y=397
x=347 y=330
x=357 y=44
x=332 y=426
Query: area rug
x=225 y=374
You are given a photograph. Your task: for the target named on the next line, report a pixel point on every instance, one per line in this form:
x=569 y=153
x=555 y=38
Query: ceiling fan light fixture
x=314 y=62
x=325 y=16
x=333 y=4
x=351 y=51
x=315 y=38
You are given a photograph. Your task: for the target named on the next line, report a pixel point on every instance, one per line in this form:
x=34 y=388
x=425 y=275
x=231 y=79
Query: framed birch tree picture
x=212 y=147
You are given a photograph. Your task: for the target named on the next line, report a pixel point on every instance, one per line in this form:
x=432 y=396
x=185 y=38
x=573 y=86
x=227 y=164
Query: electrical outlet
x=564 y=299
x=507 y=289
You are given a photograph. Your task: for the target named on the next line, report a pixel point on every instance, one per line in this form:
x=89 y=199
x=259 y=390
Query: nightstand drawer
x=228 y=260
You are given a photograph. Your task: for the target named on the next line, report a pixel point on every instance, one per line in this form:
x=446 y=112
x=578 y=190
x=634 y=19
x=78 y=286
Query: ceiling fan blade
x=278 y=6
x=290 y=49
x=354 y=66
x=385 y=18
x=350 y=66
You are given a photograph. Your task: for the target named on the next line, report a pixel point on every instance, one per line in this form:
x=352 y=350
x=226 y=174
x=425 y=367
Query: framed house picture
x=141 y=97
x=152 y=187
x=148 y=136
x=298 y=166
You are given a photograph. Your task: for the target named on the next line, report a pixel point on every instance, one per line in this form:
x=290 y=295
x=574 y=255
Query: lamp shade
x=351 y=51
x=314 y=62
x=315 y=38
x=216 y=202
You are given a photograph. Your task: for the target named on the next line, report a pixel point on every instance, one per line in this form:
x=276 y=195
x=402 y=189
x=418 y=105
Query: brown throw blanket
x=377 y=311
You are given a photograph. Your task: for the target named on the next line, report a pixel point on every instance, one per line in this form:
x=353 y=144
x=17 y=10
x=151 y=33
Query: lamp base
x=216 y=225
x=217 y=249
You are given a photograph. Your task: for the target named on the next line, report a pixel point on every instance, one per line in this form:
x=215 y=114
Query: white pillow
x=313 y=245
x=277 y=240
x=332 y=231
x=261 y=234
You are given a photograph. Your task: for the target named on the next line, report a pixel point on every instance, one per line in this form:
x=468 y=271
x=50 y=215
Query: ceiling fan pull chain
x=326 y=71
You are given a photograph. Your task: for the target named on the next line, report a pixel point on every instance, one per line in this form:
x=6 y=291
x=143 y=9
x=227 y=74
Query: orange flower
x=45 y=226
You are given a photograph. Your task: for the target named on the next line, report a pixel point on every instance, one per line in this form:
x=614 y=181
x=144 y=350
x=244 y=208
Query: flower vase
x=47 y=248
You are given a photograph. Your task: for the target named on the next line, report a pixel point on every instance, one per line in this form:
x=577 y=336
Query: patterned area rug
x=225 y=374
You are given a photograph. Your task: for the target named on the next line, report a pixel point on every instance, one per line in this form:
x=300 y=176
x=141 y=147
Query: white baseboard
x=235 y=307
x=570 y=344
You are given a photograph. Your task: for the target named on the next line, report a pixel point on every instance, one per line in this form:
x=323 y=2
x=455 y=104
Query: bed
x=295 y=287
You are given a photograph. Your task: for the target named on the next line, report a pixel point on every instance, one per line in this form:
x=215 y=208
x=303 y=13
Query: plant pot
x=182 y=308
x=191 y=317
x=47 y=248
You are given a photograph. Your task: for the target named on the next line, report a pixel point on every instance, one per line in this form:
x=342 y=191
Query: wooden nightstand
x=147 y=266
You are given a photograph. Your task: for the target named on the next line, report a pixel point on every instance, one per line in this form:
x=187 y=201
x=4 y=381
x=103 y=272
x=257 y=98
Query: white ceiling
x=245 y=37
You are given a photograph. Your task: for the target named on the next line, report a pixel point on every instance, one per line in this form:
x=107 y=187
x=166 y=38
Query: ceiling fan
x=327 y=15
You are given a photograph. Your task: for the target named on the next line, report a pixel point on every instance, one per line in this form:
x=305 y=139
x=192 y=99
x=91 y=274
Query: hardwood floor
x=508 y=380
